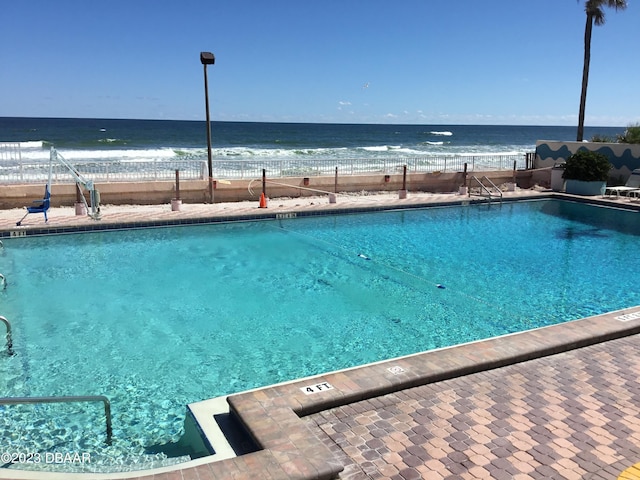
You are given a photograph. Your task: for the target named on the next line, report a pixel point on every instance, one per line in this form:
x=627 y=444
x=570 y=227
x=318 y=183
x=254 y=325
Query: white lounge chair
x=634 y=193
x=633 y=183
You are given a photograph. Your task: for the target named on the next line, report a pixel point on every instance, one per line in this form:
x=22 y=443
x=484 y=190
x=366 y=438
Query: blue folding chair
x=41 y=207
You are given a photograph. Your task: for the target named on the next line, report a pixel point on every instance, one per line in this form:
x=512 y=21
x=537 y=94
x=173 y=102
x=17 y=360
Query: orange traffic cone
x=263 y=201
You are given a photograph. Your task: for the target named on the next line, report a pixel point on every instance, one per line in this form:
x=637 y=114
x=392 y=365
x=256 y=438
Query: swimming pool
x=159 y=318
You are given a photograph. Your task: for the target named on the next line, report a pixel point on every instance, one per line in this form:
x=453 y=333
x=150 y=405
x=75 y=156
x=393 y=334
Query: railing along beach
x=14 y=169
x=246 y=169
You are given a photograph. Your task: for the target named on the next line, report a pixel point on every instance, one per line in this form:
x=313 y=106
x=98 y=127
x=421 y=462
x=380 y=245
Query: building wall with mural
x=624 y=157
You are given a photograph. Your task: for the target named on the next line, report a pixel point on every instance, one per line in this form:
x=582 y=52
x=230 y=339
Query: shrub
x=602 y=138
x=630 y=135
x=587 y=166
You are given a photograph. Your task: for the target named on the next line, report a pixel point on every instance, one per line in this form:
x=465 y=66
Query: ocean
x=92 y=139
x=82 y=140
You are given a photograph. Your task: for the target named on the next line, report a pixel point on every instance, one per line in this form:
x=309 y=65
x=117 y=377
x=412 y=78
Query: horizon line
x=311 y=122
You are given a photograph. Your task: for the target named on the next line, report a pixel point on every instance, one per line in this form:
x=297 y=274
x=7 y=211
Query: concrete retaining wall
x=195 y=191
x=624 y=157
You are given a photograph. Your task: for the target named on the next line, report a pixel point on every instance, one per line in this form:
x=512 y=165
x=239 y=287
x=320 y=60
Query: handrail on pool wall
x=69 y=399
x=9 y=340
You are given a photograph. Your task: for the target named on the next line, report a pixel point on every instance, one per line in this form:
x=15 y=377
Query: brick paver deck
x=573 y=415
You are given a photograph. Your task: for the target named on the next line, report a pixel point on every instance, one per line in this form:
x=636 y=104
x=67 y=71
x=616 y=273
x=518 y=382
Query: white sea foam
x=443 y=133
x=27 y=145
x=380 y=148
x=249 y=152
x=409 y=151
x=392 y=149
x=118 y=154
x=490 y=154
x=34 y=144
x=35 y=151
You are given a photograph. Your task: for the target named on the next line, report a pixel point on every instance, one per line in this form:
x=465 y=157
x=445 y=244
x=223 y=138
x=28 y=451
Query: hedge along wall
x=624 y=157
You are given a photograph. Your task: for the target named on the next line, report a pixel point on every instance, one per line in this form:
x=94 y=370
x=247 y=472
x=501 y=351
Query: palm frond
x=595 y=9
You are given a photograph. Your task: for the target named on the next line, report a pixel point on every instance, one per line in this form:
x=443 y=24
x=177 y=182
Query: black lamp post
x=207 y=58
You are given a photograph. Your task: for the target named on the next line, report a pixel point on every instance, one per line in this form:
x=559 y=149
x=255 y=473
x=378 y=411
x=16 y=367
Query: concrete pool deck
x=556 y=402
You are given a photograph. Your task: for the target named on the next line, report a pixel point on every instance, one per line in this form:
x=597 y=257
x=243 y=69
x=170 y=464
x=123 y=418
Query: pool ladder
x=9 y=340
x=70 y=399
x=484 y=190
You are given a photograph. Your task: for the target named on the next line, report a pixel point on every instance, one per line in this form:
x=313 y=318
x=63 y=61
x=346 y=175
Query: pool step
x=217 y=427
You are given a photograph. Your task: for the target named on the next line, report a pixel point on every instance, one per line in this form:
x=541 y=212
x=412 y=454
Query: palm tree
x=595 y=15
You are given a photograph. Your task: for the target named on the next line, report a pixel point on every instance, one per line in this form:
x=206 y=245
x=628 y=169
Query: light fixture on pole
x=207 y=58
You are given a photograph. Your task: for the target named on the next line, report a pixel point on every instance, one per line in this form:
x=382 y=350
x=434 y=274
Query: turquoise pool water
x=158 y=318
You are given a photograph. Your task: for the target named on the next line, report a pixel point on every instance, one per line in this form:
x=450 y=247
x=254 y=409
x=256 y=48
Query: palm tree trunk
x=585 y=75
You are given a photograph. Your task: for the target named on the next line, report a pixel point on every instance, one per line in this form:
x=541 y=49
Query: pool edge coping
x=84 y=225
x=273 y=213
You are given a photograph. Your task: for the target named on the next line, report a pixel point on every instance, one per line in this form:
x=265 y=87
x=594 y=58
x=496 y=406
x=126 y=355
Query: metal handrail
x=484 y=187
x=9 y=340
x=493 y=185
x=69 y=399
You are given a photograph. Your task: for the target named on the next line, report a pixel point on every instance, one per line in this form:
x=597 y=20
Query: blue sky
x=343 y=61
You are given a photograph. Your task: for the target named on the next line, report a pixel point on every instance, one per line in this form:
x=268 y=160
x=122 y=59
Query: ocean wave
x=390 y=148
x=253 y=152
x=31 y=144
x=409 y=151
x=491 y=154
x=38 y=151
x=379 y=148
x=120 y=154
x=444 y=133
